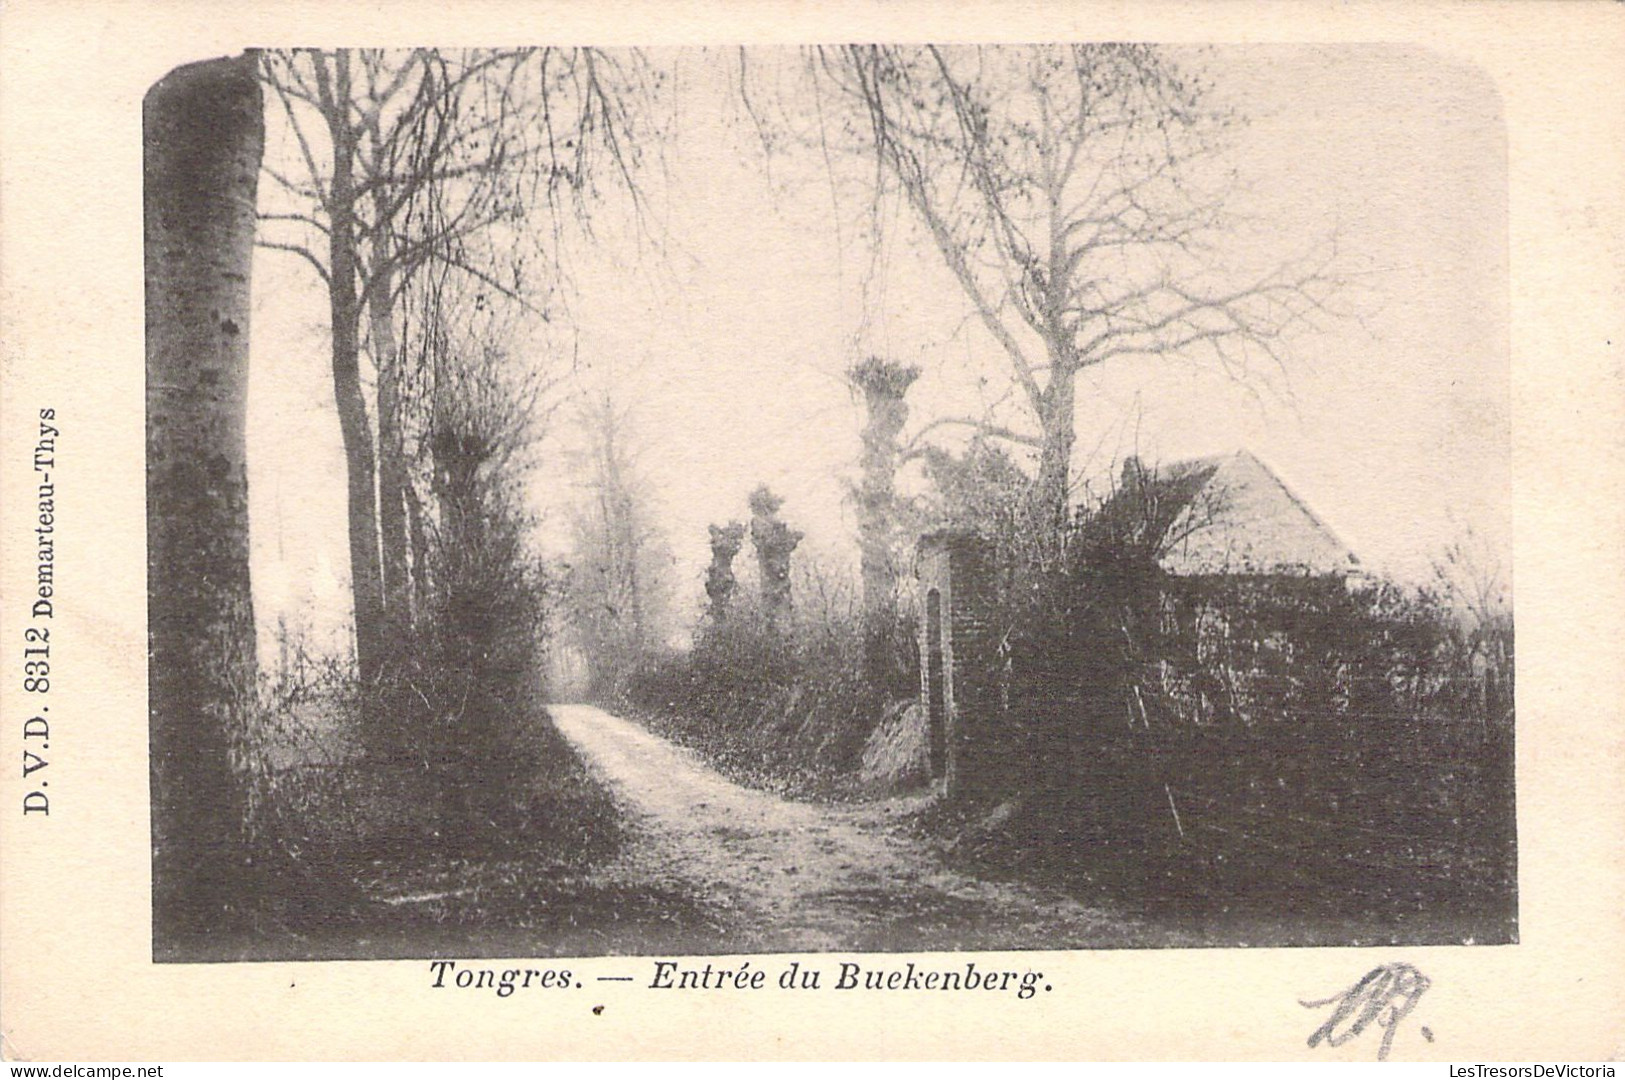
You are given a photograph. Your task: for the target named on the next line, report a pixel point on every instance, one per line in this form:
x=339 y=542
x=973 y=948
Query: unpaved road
x=801 y=876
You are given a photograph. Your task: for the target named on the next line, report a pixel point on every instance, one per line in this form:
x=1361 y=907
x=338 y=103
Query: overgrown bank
x=1270 y=759
x=345 y=850
x=788 y=711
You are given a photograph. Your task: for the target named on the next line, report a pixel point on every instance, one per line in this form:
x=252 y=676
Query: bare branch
x=305 y=219
x=302 y=252
x=915 y=446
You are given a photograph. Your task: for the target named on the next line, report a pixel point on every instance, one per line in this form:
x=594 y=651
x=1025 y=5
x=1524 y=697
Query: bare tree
x=204 y=134
x=1069 y=191
x=618 y=584
x=1472 y=580
x=403 y=160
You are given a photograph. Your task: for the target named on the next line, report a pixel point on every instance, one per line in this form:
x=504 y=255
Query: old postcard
x=713 y=531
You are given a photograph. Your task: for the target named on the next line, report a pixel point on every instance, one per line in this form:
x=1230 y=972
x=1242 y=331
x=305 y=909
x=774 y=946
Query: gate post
x=959 y=661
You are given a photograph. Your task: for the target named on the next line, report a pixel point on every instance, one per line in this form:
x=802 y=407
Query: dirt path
x=803 y=876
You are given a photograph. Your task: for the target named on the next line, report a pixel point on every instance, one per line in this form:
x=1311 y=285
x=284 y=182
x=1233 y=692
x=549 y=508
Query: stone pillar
x=959 y=583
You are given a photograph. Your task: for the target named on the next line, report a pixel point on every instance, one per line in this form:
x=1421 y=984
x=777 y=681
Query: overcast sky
x=727 y=334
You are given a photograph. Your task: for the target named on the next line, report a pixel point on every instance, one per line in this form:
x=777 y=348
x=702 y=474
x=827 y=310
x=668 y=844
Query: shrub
x=1226 y=741
x=786 y=708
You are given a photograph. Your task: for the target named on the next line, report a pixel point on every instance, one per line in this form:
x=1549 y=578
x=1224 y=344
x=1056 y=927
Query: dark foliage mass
x=786 y=708
x=359 y=857
x=438 y=791
x=482 y=817
x=1222 y=748
x=463 y=686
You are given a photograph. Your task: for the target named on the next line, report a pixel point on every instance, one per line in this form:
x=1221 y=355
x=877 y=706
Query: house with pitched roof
x=1228 y=515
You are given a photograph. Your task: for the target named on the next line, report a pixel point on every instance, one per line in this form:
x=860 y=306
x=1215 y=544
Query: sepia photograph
x=861 y=498
x=678 y=531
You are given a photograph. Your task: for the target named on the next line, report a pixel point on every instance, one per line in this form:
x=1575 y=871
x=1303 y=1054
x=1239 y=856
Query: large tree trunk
x=204 y=135
x=366 y=576
x=419 y=536
x=1057 y=415
x=393 y=476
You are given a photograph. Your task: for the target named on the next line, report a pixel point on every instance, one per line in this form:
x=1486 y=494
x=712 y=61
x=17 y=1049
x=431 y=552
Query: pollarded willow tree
x=399 y=161
x=481 y=625
x=883 y=384
x=1077 y=193
x=775 y=542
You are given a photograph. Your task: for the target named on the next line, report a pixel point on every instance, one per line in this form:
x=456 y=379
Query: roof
x=1233 y=515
